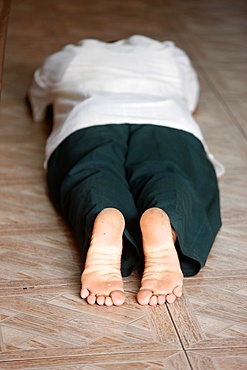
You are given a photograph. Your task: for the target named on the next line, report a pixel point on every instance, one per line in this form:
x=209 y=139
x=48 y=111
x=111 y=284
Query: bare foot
x=162 y=279
x=101 y=279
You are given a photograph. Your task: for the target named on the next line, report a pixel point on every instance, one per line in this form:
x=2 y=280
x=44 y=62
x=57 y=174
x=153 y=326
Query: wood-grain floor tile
x=218 y=359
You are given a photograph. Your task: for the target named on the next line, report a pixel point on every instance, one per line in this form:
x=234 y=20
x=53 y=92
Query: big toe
x=118 y=297
x=143 y=296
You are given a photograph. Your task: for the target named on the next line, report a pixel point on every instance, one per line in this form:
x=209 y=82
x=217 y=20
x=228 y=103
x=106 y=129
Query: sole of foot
x=101 y=279
x=162 y=279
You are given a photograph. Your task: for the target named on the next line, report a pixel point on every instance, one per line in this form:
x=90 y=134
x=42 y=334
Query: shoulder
x=56 y=64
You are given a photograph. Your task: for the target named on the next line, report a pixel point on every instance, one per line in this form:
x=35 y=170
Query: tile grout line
x=179 y=337
x=2 y=344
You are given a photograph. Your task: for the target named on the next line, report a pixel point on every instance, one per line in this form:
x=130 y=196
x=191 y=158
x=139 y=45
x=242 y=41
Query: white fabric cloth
x=135 y=80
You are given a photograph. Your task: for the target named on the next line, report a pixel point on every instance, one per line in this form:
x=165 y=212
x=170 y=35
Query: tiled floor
x=43 y=322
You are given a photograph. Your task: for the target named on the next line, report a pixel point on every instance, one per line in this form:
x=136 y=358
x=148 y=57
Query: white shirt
x=137 y=80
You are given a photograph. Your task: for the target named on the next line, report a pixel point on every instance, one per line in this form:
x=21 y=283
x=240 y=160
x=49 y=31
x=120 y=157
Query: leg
x=168 y=170
x=86 y=178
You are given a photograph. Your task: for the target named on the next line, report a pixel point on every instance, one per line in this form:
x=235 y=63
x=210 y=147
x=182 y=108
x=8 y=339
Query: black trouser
x=133 y=168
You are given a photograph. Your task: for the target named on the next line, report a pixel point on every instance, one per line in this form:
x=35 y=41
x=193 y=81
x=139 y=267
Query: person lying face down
x=127 y=165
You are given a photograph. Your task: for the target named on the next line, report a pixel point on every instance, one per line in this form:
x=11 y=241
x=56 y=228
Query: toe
x=178 y=291
x=143 y=296
x=161 y=299
x=170 y=298
x=100 y=300
x=153 y=300
x=108 y=301
x=91 y=299
x=118 y=297
x=84 y=293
